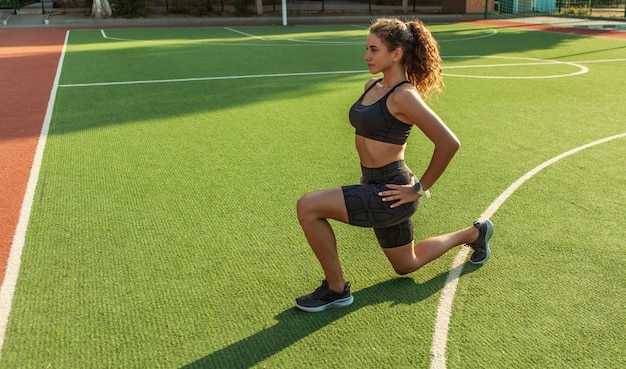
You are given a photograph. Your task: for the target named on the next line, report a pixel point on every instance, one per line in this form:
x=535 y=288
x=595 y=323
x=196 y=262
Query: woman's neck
x=392 y=78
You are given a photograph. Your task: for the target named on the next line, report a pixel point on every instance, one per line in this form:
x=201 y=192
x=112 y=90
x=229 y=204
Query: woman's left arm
x=410 y=108
x=416 y=111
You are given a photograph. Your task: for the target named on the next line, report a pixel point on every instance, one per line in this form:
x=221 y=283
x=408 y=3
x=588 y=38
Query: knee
x=304 y=207
x=404 y=266
x=402 y=269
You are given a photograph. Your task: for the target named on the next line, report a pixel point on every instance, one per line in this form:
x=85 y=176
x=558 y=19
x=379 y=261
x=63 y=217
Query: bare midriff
x=376 y=154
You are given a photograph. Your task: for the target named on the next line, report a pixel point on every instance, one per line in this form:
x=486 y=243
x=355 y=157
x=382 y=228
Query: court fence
x=489 y=9
x=577 y=8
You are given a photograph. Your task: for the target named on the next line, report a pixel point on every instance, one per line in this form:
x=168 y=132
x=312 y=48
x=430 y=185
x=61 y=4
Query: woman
x=407 y=55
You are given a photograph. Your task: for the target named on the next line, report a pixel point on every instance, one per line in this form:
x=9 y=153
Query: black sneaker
x=481 y=245
x=323 y=298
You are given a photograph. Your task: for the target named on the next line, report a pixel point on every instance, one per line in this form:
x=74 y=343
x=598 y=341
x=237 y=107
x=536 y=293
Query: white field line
x=104 y=35
x=174 y=42
x=546 y=62
x=243 y=33
x=444 y=311
x=7 y=290
x=492 y=31
x=582 y=69
x=212 y=78
x=527 y=62
x=601 y=61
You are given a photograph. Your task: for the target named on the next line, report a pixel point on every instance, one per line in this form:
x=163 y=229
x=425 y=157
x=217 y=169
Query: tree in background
x=101 y=9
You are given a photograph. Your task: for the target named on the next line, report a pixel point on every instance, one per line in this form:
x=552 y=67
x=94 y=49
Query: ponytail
x=421 y=58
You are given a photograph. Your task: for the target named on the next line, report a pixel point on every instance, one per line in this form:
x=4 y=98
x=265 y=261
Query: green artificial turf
x=164 y=231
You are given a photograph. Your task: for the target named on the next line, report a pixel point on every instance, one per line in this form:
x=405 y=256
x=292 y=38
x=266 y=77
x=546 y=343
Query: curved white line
x=581 y=68
x=493 y=33
x=444 y=311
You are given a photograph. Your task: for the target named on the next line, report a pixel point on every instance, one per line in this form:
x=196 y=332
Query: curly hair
x=421 y=58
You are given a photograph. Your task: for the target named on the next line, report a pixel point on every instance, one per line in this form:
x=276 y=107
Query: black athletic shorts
x=393 y=226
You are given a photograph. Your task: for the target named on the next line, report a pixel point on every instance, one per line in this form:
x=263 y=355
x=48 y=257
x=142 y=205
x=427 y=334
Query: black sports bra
x=376 y=122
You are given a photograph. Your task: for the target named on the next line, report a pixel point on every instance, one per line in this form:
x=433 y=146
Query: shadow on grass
x=293 y=324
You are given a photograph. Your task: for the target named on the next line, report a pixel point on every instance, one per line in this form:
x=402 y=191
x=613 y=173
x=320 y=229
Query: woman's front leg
x=313 y=211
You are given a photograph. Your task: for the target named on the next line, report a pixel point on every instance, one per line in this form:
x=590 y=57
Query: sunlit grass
x=164 y=231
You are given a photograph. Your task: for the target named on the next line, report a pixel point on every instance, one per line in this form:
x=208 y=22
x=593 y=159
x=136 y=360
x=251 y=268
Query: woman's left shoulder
x=408 y=106
x=407 y=94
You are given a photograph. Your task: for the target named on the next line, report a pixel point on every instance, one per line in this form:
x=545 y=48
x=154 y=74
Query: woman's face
x=377 y=57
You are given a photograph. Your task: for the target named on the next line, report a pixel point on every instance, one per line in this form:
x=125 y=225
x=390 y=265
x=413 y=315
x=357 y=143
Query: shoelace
x=320 y=291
